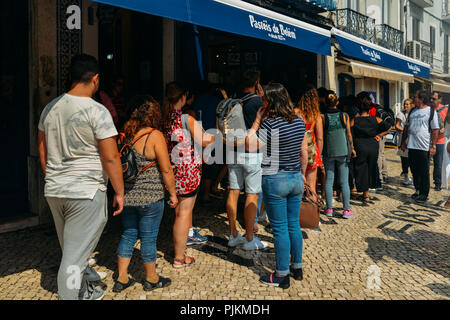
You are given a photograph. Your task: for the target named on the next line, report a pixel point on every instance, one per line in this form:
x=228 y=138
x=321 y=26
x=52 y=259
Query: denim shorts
x=247 y=172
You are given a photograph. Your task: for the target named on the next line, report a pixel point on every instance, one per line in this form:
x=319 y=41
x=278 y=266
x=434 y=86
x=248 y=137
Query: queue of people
x=286 y=146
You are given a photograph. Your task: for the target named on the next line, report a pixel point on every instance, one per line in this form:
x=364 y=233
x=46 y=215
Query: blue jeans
x=342 y=166
x=282 y=198
x=142 y=222
x=258 y=208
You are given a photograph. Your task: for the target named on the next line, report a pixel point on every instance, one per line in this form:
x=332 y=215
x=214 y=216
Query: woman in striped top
x=285 y=156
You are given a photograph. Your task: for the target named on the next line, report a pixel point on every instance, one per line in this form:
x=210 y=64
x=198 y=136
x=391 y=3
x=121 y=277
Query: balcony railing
x=390 y=38
x=445 y=64
x=427 y=53
x=356 y=24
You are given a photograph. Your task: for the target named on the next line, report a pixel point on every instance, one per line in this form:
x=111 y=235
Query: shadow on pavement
x=422 y=248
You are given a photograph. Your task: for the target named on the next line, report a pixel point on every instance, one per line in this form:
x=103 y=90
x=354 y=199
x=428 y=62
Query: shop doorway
x=14 y=106
x=225 y=56
x=346 y=85
x=130 y=46
x=384 y=94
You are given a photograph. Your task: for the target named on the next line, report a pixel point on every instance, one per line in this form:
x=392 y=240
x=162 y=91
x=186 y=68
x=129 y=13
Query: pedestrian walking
x=308 y=109
x=422 y=130
x=246 y=173
x=144 y=196
x=441 y=114
x=365 y=130
x=187 y=163
x=285 y=158
x=78 y=153
x=337 y=152
x=400 y=122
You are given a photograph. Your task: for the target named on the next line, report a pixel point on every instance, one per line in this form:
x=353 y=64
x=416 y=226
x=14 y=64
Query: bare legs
x=311 y=179
x=251 y=203
x=150 y=270
x=183 y=220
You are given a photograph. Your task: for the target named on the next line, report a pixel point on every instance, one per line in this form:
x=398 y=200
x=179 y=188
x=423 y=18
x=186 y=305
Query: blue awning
x=358 y=48
x=237 y=17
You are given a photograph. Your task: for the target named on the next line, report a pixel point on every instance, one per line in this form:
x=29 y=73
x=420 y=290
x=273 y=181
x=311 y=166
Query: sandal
x=183 y=263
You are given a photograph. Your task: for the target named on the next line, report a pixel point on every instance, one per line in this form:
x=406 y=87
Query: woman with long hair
x=338 y=146
x=187 y=163
x=284 y=163
x=365 y=137
x=308 y=109
x=400 y=122
x=144 y=196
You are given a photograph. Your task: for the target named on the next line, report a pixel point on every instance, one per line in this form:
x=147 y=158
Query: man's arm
x=42 y=147
x=111 y=162
x=434 y=137
x=404 y=137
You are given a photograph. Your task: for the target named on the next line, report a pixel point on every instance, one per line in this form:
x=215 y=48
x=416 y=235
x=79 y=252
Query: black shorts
x=192 y=194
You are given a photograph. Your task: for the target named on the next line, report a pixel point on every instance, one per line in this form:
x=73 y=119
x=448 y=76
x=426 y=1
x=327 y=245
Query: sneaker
x=92 y=262
x=272 y=280
x=255 y=244
x=329 y=213
x=162 y=283
x=437 y=188
x=407 y=181
x=196 y=238
x=348 y=214
x=94 y=275
x=119 y=286
x=379 y=189
x=233 y=242
x=421 y=199
x=415 y=195
x=297 y=274
x=93 y=293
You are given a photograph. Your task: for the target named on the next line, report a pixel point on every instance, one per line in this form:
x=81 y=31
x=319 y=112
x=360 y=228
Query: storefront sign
x=237 y=17
x=361 y=49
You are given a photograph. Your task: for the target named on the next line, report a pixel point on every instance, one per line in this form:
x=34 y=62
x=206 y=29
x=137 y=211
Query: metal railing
x=445 y=67
x=356 y=24
x=427 y=53
x=390 y=38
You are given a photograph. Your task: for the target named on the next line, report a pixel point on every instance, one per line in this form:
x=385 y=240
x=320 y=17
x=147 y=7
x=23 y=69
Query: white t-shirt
x=72 y=126
x=419 y=134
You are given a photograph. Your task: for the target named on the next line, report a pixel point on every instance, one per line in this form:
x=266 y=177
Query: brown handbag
x=310 y=209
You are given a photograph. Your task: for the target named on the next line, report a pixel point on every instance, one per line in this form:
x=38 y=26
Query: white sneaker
x=255 y=244
x=102 y=274
x=233 y=242
x=407 y=182
x=92 y=262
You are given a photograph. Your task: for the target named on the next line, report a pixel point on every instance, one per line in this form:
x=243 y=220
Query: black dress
x=364 y=131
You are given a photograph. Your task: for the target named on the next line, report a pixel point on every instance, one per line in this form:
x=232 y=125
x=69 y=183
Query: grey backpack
x=230 y=119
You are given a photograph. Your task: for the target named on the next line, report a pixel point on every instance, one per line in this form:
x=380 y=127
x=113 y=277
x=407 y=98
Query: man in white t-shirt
x=78 y=153
x=422 y=130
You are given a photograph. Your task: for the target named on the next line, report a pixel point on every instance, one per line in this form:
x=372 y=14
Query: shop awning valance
x=237 y=17
x=366 y=70
x=441 y=86
x=361 y=49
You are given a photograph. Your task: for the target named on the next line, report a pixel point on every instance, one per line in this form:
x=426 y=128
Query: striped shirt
x=283 y=143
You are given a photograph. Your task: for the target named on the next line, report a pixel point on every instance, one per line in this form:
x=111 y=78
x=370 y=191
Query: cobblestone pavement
x=405 y=243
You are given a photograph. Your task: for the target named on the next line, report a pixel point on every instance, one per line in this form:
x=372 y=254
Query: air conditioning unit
x=414 y=50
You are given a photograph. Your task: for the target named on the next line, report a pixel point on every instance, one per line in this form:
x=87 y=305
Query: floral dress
x=186 y=163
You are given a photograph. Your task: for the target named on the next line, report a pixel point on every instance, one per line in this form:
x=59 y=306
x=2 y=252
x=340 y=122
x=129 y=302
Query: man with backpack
x=78 y=152
x=247 y=172
x=422 y=130
x=441 y=112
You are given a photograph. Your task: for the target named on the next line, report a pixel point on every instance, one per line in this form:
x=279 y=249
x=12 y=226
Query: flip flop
x=183 y=263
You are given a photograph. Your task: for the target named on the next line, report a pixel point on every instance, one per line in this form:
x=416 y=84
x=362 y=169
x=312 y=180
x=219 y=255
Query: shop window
x=384 y=93
x=346 y=85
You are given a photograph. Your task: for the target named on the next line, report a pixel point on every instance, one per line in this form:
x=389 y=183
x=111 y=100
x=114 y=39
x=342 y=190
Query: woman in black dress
x=365 y=130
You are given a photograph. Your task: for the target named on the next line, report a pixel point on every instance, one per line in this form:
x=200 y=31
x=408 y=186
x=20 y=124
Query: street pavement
x=393 y=248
